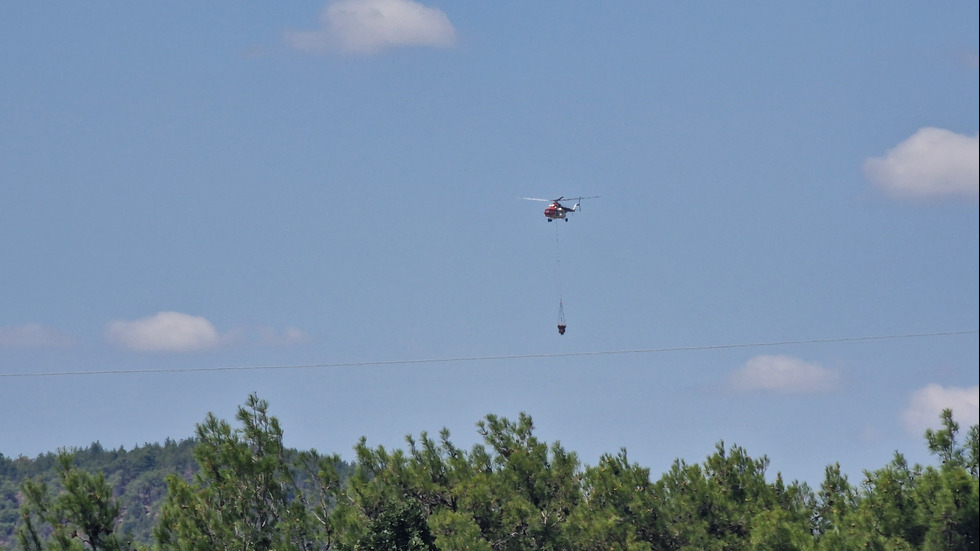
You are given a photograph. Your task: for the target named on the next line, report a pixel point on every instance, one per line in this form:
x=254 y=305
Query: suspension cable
x=561 y=303
x=557 y=264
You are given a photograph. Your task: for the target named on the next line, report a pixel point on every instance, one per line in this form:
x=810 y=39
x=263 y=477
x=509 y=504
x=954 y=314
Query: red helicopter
x=557 y=211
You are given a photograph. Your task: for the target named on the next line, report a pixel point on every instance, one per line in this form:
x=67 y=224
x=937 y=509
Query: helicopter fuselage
x=557 y=211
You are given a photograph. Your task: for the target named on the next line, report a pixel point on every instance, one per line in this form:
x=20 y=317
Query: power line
x=383 y=363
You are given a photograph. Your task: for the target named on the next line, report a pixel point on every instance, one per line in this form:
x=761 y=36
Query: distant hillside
x=138 y=477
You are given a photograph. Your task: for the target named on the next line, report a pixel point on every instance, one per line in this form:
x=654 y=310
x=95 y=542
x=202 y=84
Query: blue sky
x=332 y=190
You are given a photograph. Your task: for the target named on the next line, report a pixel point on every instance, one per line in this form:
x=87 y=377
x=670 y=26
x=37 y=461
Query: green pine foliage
x=137 y=478
x=243 y=489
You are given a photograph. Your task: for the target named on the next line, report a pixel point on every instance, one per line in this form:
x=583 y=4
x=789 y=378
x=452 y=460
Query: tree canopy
x=512 y=491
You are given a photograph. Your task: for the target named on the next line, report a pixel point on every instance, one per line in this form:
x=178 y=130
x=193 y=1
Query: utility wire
x=493 y=358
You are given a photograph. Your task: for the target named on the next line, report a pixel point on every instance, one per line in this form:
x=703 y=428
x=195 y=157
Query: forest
x=235 y=486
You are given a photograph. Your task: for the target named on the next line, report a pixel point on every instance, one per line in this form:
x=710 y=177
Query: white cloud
x=783 y=374
x=972 y=60
x=164 y=332
x=287 y=337
x=266 y=336
x=927 y=403
x=932 y=163
x=178 y=332
x=369 y=26
x=32 y=335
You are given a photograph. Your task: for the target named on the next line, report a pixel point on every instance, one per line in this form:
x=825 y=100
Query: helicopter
x=558 y=211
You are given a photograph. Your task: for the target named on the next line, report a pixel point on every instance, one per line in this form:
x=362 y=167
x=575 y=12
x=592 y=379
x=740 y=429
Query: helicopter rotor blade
x=562 y=198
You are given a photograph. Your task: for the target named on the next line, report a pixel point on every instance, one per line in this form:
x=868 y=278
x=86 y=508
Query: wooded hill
x=138 y=478
x=239 y=488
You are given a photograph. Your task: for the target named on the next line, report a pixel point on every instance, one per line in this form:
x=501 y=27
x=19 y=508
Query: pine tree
x=82 y=516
